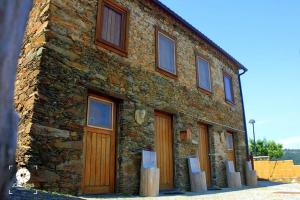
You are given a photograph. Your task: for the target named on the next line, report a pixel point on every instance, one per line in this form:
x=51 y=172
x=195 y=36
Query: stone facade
x=60 y=64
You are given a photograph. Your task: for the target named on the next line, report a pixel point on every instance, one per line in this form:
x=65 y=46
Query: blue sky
x=265 y=37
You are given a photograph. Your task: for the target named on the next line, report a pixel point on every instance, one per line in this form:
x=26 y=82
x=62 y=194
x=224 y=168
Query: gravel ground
x=265 y=191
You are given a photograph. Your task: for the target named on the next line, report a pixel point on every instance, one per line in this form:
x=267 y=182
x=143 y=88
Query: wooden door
x=99 y=146
x=204 y=152
x=230 y=147
x=164 y=149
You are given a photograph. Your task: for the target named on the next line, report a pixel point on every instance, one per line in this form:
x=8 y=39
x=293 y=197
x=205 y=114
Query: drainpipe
x=244 y=115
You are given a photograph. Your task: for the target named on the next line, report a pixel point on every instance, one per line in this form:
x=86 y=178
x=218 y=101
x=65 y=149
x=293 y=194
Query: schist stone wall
x=60 y=64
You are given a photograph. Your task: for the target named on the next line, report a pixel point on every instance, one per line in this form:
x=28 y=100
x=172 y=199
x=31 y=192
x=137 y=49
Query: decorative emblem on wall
x=140 y=116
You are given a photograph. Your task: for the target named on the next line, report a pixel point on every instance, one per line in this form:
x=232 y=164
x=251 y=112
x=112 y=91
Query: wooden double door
x=203 y=151
x=164 y=149
x=99 y=146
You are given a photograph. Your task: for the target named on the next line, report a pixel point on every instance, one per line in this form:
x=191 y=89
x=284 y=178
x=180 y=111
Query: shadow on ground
x=176 y=193
x=28 y=194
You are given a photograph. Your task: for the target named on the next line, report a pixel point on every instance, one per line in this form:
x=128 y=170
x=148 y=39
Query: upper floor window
x=111 y=30
x=228 y=88
x=166 y=54
x=203 y=75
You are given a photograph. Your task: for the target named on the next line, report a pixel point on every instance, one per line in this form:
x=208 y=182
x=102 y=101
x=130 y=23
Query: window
x=203 y=75
x=166 y=58
x=100 y=113
x=228 y=88
x=111 y=30
x=229 y=141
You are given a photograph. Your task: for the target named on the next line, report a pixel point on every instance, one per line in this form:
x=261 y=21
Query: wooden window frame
x=100 y=99
x=123 y=51
x=229 y=133
x=208 y=92
x=158 y=68
x=231 y=86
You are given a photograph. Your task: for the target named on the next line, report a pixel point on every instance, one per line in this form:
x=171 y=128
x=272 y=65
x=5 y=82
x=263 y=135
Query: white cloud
x=290 y=142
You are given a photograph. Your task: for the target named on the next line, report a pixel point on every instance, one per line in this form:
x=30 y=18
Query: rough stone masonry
x=60 y=64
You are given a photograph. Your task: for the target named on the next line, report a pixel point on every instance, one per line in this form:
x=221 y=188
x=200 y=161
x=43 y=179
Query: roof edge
x=197 y=32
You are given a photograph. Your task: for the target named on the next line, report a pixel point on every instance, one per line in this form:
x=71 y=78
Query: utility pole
x=252 y=121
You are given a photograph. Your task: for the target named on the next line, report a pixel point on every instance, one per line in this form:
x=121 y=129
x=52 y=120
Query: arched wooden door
x=204 y=151
x=164 y=149
x=99 y=146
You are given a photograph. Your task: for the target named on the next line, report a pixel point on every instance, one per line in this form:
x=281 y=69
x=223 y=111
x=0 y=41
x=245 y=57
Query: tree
x=267 y=148
x=292 y=154
x=13 y=18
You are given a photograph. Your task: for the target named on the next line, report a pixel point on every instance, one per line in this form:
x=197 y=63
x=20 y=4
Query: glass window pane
x=111 y=26
x=229 y=141
x=204 y=75
x=228 y=88
x=100 y=113
x=166 y=55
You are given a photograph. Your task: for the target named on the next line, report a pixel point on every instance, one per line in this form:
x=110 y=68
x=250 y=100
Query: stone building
x=100 y=80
